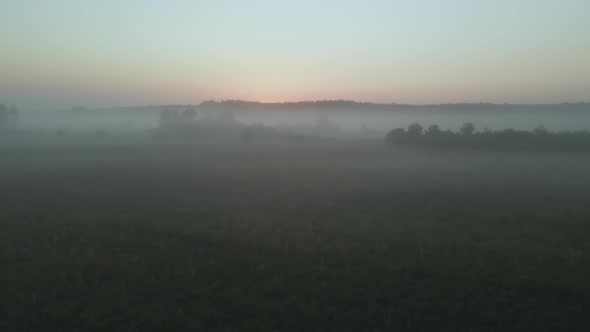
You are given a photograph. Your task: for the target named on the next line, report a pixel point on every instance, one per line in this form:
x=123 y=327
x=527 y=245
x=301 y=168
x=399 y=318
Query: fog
x=119 y=121
x=200 y=217
x=386 y=120
x=351 y=121
x=264 y=165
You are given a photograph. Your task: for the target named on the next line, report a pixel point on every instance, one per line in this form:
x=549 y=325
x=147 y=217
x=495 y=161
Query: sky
x=103 y=53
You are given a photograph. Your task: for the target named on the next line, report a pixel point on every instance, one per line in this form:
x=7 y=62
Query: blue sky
x=61 y=53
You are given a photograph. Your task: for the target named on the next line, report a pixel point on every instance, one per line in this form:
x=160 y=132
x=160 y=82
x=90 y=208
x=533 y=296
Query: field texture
x=293 y=238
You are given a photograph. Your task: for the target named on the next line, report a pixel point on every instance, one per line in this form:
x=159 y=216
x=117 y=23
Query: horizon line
x=350 y=101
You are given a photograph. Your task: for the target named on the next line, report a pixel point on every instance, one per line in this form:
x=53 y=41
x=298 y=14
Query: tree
x=433 y=130
x=467 y=129
x=415 y=129
x=540 y=130
x=395 y=134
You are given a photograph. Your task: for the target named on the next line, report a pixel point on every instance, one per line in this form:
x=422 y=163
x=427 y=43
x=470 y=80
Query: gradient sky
x=61 y=53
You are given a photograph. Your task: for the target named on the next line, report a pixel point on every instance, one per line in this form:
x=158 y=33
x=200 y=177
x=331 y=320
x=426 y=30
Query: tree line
x=341 y=104
x=169 y=118
x=467 y=136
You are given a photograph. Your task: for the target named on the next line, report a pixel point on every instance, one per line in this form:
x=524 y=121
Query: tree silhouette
x=415 y=129
x=540 y=130
x=395 y=134
x=467 y=129
x=433 y=130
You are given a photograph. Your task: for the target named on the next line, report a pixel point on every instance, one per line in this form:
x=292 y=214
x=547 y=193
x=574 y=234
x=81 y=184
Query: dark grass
x=293 y=238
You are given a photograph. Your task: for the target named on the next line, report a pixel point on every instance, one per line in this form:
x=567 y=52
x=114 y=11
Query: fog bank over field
x=349 y=116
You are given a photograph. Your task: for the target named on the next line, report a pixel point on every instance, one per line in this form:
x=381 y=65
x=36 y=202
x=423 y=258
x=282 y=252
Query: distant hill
x=354 y=105
x=342 y=105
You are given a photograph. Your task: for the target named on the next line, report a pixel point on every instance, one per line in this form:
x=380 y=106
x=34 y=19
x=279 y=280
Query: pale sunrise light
x=151 y=52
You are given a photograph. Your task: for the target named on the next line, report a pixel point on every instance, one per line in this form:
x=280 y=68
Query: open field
x=293 y=238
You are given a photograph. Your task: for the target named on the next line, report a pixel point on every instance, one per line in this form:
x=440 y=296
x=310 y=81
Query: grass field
x=293 y=238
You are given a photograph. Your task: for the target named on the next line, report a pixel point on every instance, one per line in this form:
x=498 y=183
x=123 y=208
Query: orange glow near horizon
x=416 y=52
